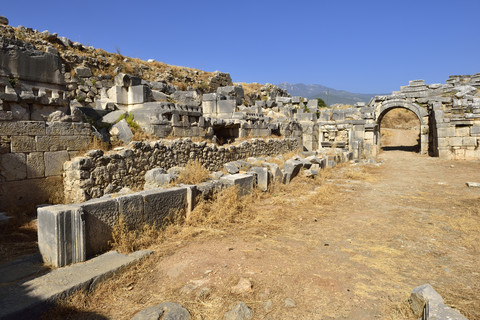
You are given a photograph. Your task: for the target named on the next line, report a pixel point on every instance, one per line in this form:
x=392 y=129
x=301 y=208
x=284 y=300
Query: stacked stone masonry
x=97 y=173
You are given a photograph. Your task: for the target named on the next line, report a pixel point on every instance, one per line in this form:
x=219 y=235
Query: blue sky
x=359 y=46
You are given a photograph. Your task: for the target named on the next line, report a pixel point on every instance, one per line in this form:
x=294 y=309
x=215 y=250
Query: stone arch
x=421 y=113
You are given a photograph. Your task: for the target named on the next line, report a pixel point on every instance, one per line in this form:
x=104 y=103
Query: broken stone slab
x=113 y=116
x=244 y=181
x=165 y=310
x=239 y=312
x=122 y=131
x=262 y=177
x=291 y=168
x=274 y=169
x=473 y=184
x=231 y=168
x=29 y=299
x=425 y=302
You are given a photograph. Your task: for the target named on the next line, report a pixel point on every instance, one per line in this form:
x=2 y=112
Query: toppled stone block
x=425 y=302
x=189 y=98
x=122 y=131
x=61 y=234
x=275 y=171
x=262 y=177
x=291 y=168
x=242 y=180
x=113 y=116
x=240 y=312
x=231 y=168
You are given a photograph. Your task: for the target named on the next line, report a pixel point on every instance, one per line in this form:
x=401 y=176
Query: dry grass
x=194 y=173
x=358 y=173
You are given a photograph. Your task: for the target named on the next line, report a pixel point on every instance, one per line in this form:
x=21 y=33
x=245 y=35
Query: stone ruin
x=55 y=103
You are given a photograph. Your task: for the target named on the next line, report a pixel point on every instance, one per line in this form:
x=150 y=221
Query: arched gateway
x=383 y=108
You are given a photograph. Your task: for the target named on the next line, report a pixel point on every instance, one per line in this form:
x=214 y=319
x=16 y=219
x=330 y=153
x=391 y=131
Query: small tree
x=321 y=103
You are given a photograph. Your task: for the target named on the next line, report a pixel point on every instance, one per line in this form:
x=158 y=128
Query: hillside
x=319 y=91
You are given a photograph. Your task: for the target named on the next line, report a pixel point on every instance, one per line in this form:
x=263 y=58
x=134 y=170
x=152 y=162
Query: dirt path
x=357 y=257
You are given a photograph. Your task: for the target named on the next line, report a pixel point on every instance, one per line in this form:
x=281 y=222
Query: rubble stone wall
x=97 y=173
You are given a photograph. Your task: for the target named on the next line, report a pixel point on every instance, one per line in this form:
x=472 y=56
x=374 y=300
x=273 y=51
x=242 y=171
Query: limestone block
x=209 y=107
x=469 y=141
x=130 y=206
x=456 y=141
x=118 y=94
x=101 y=215
x=190 y=98
x=283 y=100
x=316 y=160
x=80 y=128
x=262 y=177
x=462 y=131
x=35 y=165
x=162 y=204
x=54 y=162
x=61 y=234
x=19 y=112
x=209 y=97
x=23 y=144
x=275 y=171
x=122 y=131
x=426 y=302
x=83 y=72
x=56 y=143
x=475 y=130
x=13 y=166
x=59 y=128
x=231 y=168
x=244 y=182
x=290 y=170
x=20 y=128
x=443 y=142
x=226 y=106
x=136 y=94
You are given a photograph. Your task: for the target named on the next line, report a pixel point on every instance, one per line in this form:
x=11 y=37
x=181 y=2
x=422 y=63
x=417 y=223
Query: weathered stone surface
x=21 y=128
x=157 y=178
x=165 y=310
x=54 y=162
x=290 y=170
x=83 y=72
x=242 y=180
x=262 y=177
x=240 y=312
x=35 y=165
x=426 y=302
x=13 y=166
x=59 y=283
x=101 y=215
x=190 y=98
x=23 y=144
x=61 y=234
x=122 y=131
x=130 y=206
x=160 y=205
x=231 y=168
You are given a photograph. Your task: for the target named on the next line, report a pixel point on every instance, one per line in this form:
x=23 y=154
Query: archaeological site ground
x=134 y=189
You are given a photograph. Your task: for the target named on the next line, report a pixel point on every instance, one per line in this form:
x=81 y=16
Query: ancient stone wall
x=32 y=154
x=97 y=173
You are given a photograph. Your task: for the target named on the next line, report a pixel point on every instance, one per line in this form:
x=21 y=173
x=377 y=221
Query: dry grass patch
x=194 y=173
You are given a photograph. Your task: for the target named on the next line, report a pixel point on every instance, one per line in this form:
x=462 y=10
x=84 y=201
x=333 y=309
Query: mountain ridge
x=335 y=96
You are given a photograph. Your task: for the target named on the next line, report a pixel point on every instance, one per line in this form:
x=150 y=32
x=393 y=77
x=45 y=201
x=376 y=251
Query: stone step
x=28 y=299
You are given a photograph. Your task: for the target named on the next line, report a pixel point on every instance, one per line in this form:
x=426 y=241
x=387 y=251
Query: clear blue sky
x=359 y=46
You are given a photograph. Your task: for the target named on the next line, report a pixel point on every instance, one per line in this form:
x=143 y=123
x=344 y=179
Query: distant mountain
x=312 y=91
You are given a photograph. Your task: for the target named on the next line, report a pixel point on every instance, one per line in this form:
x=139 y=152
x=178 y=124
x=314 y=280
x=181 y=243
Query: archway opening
x=400 y=130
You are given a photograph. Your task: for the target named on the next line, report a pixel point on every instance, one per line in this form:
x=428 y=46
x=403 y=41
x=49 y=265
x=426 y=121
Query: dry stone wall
x=97 y=173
